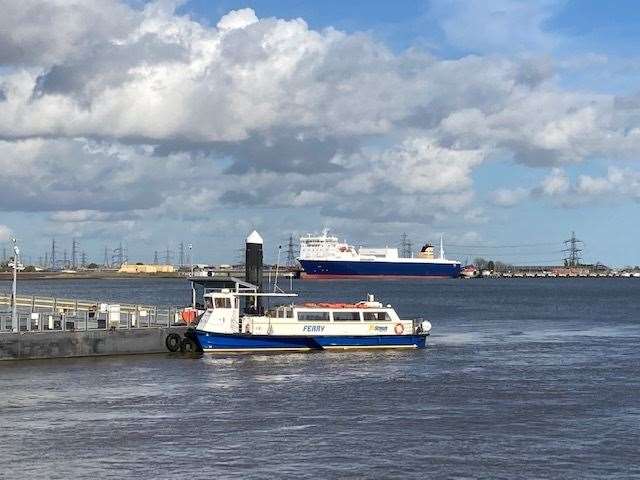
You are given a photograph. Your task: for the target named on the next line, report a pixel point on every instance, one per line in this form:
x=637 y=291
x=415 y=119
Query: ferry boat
x=309 y=326
x=323 y=256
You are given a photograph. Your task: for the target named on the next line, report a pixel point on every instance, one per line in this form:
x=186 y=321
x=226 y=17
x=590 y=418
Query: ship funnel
x=253 y=264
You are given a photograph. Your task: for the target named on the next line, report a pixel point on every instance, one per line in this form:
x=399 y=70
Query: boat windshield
x=376 y=316
x=224 y=302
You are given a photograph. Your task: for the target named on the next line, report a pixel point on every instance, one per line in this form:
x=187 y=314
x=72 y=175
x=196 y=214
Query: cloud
x=82 y=216
x=5 y=233
x=36 y=32
x=80 y=174
x=506 y=197
x=618 y=184
x=497 y=26
x=556 y=183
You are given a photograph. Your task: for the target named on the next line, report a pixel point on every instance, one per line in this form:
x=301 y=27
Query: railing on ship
x=410 y=327
x=37 y=313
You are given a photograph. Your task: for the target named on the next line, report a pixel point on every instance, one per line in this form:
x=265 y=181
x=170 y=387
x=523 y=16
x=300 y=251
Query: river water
x=522 y=378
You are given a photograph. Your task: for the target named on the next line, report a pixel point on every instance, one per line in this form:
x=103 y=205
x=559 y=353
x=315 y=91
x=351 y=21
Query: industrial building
x=146 y=268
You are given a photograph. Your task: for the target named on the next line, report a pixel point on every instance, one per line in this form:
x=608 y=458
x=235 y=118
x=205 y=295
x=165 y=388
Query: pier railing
x=37 y=313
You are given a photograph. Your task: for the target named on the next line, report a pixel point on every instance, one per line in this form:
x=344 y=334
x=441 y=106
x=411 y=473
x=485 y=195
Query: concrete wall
x=32 y=345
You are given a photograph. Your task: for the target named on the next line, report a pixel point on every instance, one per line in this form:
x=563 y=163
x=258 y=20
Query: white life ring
x=399 y=329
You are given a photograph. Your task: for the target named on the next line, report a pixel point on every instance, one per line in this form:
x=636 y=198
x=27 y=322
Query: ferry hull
x=330 y=269
x=223 y=342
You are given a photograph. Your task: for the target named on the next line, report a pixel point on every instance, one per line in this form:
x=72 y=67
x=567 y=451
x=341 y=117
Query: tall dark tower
x=253 y=262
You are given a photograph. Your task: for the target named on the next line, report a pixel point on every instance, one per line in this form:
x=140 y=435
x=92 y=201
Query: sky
x=501 y=125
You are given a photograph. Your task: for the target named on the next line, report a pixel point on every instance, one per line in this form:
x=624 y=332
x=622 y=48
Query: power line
x=406 y=247
x=550 y=262
x=52 y=258
x=573 y=251
x=74 y=253
x=291 y=252
x=522 y=245
x=119 y=256
x=530 y=254
x=181 y=255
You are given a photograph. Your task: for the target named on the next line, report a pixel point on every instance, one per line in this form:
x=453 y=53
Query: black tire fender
x=173 y=342
x=187 y=345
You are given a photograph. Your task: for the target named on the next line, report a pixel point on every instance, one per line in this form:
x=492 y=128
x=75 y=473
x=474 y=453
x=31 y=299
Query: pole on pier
x=253 y=264
x=14 y=310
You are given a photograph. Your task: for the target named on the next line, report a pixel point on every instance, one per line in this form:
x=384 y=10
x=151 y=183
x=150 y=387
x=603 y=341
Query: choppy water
x=522 y=378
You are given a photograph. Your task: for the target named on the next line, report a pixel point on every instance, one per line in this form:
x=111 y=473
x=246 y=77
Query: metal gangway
x=37 y=314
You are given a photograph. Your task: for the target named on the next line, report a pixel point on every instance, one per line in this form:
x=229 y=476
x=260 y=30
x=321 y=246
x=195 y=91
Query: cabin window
x=222 y=302
x=313 y=316
x=376 y=317
x=346 y=316
x=208 y=303
x=284 y=312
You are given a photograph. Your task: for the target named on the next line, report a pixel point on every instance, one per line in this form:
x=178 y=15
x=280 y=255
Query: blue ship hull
x=377 y=269
x=226 y=342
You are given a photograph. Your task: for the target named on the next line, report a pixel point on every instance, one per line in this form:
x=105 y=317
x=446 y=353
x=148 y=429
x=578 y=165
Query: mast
x=441 y=248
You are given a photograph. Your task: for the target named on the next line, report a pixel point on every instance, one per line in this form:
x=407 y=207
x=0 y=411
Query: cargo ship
x=324 y=257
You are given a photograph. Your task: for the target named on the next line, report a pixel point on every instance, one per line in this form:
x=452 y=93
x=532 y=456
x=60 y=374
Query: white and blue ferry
x=324 y=257
x=309 y=326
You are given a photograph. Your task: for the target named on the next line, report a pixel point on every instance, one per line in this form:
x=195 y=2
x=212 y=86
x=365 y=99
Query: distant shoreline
x=93 y=275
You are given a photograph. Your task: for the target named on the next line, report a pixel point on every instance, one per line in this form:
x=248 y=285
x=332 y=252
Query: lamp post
x=14 y=310
x=193 y=288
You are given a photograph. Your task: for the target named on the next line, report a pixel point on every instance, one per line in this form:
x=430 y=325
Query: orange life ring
x=399 y=329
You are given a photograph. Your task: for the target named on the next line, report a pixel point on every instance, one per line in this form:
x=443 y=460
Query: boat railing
x=265 y=325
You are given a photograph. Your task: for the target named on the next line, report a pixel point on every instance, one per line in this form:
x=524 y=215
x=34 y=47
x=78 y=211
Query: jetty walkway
x=51 y=327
